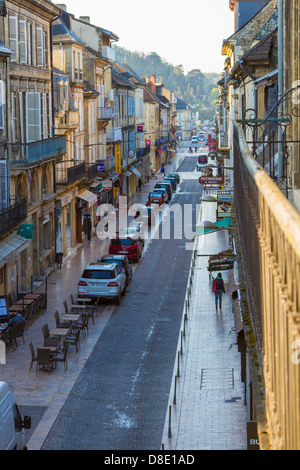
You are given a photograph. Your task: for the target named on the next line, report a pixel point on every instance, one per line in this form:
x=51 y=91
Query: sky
x=182 y=32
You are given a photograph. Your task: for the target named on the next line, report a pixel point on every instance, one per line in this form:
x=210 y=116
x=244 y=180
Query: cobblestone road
x=119 y=401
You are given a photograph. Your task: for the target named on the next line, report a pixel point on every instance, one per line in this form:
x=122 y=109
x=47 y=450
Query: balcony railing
x=269 y=228
x=91 y=171
x=142 y=152
x=69 y=175
x=104 y=113
x=12 y=216
x=114 y=134
x=36 y=152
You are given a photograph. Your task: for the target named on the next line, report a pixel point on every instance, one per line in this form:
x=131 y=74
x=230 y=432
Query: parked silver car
x=103 y=280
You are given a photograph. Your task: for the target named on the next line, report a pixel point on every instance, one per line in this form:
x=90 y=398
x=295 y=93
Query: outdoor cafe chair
x=62 y=357
x=60 y=324
x=73 y=339
x=44 y=359
x=46 y=333
x=17 y=332
x=51 y=342
x=33 y=355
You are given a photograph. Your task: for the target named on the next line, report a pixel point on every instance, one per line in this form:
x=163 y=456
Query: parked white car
x=12 y=426
x=102 y=280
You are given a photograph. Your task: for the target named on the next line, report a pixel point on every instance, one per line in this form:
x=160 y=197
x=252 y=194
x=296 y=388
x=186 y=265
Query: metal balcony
x=12 y=216
x=69 y=175
x=104 y=113
x=36 y=152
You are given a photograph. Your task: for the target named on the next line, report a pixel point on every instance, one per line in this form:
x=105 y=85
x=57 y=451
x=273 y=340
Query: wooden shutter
x=102 y=96
x=39 y=47
x=50 y=115
x=13 y=117
x=13 y=38
x=23 y=41
x=29 y=43
x=3 y=184
x=33 y=116
x=45 y=116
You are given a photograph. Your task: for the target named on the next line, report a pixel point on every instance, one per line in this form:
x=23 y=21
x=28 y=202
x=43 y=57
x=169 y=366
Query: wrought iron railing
x=35 y=152
x=270 y=237
x=12 y=216
x=69 y=175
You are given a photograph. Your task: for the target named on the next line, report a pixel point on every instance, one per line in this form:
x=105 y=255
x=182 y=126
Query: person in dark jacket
x=219 y=290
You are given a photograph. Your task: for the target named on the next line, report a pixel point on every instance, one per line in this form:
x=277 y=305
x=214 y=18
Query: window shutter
x=33 y=116
x=29 y=44
x=23 y=41
x=99 y=97
x=39 y=47
x=13 y=117
x=3 y=185
x=102 y=96
x=45 y=116
x=13 y=37
x=80 y=116
x=50 y=115
x=2 y=104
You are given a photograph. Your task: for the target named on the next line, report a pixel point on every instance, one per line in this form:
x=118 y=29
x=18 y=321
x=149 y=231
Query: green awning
x=218 y=225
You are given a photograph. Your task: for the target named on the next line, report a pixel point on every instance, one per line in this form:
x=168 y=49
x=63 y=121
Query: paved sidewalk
x=209 y=413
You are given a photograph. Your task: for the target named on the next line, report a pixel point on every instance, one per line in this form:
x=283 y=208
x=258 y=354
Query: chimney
x=86 y=19
x=62 y=6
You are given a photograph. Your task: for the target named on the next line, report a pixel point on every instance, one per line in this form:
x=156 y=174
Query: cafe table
x=84 y=300
x=71 y=317
x=79 y=307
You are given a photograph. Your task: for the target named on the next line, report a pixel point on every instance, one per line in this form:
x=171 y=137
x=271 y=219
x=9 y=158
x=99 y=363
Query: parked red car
x=130 y=247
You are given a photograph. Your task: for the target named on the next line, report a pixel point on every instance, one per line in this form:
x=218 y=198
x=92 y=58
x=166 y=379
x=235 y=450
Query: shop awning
x=88 y=197
x=136 y=171
x=11 y=247
x=127 y=173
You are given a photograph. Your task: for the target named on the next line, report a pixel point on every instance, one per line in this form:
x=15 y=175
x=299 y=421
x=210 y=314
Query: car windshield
x=98 y=274
x=110 y=261
x=123 y=241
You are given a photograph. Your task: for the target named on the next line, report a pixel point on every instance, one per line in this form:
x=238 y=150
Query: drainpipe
x=280 y=81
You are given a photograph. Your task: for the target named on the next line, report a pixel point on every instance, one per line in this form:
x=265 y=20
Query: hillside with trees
x=195 y=88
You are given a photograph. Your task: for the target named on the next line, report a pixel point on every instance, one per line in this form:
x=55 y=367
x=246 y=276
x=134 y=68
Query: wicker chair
x=44 y=359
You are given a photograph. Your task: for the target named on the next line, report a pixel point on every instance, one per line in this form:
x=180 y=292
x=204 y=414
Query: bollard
x=175 y=386
x=170 y=433
x=178 y=374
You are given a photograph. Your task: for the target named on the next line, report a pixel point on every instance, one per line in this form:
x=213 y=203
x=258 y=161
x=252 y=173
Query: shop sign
x=101 y=166
x=223 y=204
x=106 y=185
x=148 y=142
x=118 y=159
x=140 y=129
x=211 y=180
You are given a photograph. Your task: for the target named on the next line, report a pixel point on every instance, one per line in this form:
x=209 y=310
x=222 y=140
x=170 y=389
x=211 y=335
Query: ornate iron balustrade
x=266 y=140
x=12 y=216
x=36 y=152
x=270 y=237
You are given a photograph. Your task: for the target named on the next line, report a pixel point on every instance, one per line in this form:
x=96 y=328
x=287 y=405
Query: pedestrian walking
x=219 y=290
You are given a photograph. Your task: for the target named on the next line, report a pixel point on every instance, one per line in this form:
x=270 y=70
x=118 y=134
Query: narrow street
x=119 y=400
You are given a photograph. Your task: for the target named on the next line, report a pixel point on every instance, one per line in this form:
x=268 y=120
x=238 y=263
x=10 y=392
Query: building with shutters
x=32 y=149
